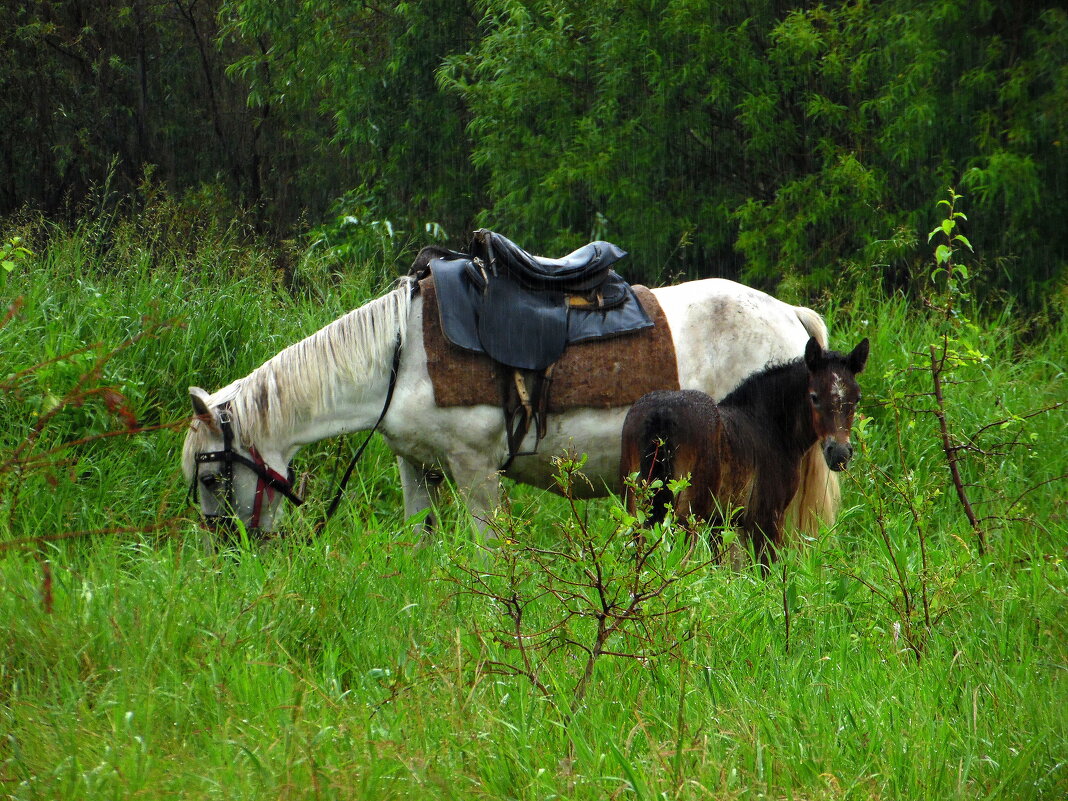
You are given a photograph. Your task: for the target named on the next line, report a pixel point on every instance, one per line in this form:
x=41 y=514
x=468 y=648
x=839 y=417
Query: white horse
x=336 y=382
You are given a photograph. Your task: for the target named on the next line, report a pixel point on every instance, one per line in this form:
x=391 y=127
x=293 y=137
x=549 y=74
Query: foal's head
x=833 y=394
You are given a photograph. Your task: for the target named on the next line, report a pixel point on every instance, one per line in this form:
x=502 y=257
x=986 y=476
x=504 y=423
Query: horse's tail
x=818 y=494
x=650 y=440
x=814 y=324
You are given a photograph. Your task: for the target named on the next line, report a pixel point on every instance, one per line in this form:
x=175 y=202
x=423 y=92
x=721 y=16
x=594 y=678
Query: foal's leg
x=699 y=455
x=698 y=498
x=629 y=462
x=420 y=493
x=765 y=532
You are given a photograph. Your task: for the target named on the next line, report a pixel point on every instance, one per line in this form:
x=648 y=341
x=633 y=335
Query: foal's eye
x=812 y=396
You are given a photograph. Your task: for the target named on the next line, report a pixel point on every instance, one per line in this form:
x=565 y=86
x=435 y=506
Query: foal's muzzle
x=837 y=454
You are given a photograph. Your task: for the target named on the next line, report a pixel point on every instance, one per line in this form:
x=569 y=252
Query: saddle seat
x=580 y=271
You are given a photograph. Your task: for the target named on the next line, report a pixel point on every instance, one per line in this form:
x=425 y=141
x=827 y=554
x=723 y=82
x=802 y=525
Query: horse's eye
x=812 y=396
x=210 y=482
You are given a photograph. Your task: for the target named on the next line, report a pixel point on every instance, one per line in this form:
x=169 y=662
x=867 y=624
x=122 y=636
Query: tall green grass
x=357 y=665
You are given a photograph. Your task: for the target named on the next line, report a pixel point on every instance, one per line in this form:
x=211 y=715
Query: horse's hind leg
x=420 y=495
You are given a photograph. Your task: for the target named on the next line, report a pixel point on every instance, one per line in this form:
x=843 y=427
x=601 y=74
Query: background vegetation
x=190 y=185
x=769 y=140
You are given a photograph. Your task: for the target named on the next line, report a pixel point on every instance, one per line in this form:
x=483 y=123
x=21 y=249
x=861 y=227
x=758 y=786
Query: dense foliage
x=764 y=139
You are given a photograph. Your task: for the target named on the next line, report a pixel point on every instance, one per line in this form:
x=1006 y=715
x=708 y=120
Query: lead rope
x=393 y=370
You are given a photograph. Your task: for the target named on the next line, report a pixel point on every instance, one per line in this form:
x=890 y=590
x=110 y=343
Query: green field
x=891 y=657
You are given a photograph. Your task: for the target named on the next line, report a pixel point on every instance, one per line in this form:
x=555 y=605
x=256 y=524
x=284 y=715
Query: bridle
x=268 y=481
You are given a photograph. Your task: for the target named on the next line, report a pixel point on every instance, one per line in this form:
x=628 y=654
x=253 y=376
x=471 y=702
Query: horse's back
x=725 y=331
x=674 y=417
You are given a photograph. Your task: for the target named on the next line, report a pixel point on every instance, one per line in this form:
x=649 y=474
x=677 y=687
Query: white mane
x=301 y=381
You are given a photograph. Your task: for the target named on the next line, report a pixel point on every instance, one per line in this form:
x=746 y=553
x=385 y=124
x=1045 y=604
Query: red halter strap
x=266 y=481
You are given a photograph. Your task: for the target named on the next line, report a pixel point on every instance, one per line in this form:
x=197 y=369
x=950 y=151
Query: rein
x=393 y=370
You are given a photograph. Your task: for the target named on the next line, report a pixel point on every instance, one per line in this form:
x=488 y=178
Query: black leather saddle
x=523 y=310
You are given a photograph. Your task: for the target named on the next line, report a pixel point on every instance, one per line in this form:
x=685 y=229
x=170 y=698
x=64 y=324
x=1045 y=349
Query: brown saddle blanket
x=600 y=373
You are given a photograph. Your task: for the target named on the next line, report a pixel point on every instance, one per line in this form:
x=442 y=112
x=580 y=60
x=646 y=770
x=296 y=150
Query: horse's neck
x=345 y=410
x=288 y=404
x=774 y=404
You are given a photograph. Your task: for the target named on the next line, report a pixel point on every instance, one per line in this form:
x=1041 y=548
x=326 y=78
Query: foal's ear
x=199 y=399
x=859 y=356
x=813 y=355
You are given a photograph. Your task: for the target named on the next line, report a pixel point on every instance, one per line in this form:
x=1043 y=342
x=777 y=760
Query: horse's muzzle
x=837 y=454
x=226 y=530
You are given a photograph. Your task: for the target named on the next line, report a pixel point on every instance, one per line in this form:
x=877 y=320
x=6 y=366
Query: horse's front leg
x=478 y=481
x=420 y=494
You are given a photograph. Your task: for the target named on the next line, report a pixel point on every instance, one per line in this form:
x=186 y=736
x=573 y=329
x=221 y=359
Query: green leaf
x=963 y=239
x=943 y=253
x=8 y=265
x=948 y=225
x=48 y=402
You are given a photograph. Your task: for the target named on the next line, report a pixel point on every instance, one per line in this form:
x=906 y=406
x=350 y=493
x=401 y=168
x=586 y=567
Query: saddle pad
x=600 y=373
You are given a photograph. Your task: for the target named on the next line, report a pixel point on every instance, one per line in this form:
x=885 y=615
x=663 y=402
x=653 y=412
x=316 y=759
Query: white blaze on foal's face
x=838 y=389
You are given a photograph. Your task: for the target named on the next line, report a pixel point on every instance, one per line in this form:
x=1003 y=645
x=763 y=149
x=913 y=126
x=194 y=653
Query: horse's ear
x=201 y=409
x=813 y=355
x=859 y=356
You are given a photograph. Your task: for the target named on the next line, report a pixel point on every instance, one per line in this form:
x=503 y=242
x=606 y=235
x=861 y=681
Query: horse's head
x=833 y=394
x=230 y=479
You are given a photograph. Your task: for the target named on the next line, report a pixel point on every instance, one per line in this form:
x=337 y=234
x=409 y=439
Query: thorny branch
x=24 y=459
x=952 y=455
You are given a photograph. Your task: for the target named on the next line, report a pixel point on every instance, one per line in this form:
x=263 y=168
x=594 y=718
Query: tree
x=772 y=139
x=368 y=68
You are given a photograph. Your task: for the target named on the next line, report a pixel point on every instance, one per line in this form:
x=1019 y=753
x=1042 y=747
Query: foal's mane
x=302 y=381
x=776 y=380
